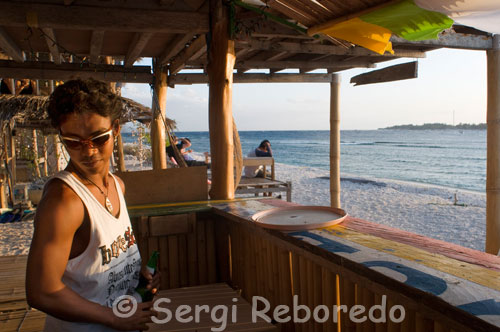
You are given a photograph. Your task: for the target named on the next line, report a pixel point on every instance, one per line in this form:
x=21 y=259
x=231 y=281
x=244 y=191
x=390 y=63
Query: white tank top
x=110 y=265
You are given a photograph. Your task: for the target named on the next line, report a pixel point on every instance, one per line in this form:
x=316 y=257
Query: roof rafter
x=9 y=46
x=194 y=50
x=135 y=48
x=174 y=47
x=51 y=40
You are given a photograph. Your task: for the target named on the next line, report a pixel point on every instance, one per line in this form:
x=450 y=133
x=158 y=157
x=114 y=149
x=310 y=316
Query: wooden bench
x=268 y=184
x=16 y=315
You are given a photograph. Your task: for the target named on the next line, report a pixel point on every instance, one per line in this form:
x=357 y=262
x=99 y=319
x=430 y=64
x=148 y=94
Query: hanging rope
x=157 y=112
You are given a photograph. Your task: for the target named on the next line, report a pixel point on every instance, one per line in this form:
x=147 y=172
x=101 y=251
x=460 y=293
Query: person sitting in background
x=190 y=161
x=263 y=150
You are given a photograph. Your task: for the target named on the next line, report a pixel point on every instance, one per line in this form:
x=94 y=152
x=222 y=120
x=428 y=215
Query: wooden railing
x=217 y=245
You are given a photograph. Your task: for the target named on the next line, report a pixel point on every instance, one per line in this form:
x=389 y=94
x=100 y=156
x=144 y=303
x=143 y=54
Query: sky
x=450 y=88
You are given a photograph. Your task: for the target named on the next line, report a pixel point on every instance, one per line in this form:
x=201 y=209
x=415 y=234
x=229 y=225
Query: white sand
x=422 y=209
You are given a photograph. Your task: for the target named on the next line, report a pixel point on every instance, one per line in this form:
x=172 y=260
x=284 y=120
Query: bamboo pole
x=159 y=109
x=3 y=160
x=335 y=141
x=3 y=198
x=12 y=155
x=119 y=148
x=35 y=152
x=220 y=75
x=57 y=151
x=45 y=157
x=493 y=145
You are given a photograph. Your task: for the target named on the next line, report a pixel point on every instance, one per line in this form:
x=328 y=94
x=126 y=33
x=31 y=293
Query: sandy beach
x=423 y=209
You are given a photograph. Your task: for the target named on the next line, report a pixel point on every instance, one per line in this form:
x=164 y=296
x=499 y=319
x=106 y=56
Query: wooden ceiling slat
x=320 y=13
x=336 y=8
x=51 y=40
x=136 y=46
x=99 y=18
x=287 y=11
x=9 y=46
x=321 y=26
x=301 y=8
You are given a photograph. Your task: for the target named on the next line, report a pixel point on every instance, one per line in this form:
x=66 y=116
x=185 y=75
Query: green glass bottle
x=141 y=291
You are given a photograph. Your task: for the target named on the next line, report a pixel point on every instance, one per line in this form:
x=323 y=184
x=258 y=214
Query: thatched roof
x=27 y=111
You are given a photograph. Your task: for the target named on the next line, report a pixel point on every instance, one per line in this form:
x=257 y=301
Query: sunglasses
x=96 y=141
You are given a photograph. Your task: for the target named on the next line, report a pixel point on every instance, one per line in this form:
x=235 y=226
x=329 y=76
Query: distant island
x=439 y=126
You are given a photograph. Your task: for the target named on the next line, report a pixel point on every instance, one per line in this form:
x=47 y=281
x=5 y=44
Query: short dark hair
x=263 y=143
x=83 y=96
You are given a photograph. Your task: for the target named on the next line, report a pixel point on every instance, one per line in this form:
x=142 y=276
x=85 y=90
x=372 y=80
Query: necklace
x=109 y=206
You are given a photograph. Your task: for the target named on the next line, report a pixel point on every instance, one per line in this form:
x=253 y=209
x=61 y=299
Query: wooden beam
x=389 y=74
x=220 y=73
x=449 y=40
x=307 y=48
x=493 y=155
x=194 y=50
x=188 y=79
x=278 y=56
x=174 y=47
x=67 y=71
x=96 y=41
x=335 y=141
x=80 y=17
x=135 y=48
x=9 y=46
x=338 y=65
x=158 y=126
x=51 y=40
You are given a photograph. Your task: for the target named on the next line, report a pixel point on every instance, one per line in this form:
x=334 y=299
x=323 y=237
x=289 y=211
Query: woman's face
x=88 y=157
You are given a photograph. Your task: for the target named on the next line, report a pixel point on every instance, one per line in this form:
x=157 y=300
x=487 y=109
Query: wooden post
x=493 y=146
x=220 y=76
x=3 y=198
x=12 y=156
x=335 y=141
x=35 y=153
x=45 y=157
x=158 y=126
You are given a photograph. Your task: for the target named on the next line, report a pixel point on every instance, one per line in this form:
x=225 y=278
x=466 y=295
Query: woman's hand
x=153 y=280
x=137 y=321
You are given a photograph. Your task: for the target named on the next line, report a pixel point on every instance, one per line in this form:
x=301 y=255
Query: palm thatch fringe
x=27 y=111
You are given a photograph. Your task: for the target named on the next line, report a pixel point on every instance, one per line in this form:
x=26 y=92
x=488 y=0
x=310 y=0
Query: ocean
x=449 y=158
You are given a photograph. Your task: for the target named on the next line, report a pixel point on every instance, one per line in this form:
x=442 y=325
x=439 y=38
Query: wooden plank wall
x=186 y=243
x=165 y=185
x=261 y=265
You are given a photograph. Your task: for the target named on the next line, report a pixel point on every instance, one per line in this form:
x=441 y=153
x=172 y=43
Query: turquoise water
x=450 y=158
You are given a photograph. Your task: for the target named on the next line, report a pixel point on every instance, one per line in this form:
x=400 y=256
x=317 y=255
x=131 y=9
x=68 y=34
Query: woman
x=83 y=255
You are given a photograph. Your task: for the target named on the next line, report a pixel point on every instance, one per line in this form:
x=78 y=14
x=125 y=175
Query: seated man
x=263 y=150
